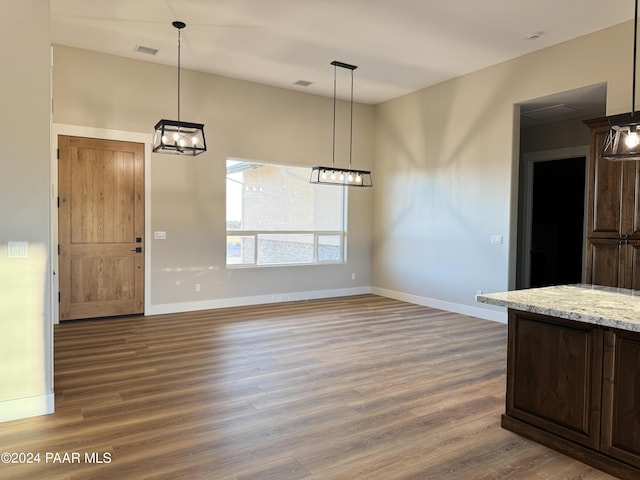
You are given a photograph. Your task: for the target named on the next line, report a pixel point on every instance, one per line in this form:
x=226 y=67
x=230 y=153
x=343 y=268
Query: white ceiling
x=399 y=45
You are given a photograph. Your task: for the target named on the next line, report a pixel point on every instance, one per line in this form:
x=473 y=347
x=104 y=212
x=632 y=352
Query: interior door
x=101 y=227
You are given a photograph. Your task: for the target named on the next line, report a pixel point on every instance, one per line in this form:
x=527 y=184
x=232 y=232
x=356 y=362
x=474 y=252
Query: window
x=276 y=217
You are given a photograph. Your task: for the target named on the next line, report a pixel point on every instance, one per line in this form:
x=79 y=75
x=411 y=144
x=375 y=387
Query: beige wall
x=242 y=120
x=447 y=169
x=26 y=359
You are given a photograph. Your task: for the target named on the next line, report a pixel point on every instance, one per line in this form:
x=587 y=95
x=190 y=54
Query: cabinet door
x=605 y=190
x=631 y=200
x=604 y=265
x=613 y=207
x=631 y=263
x=621 y=396
x=554 y=370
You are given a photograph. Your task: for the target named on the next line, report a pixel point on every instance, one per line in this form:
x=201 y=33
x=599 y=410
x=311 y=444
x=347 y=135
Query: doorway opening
x=557 y=222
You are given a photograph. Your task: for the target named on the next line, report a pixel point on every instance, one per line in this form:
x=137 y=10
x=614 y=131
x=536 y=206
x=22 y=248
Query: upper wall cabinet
x=613 y=207
x=613 y=216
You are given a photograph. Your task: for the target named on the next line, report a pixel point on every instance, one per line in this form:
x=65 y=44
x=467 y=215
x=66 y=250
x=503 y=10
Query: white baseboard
x=479 y=312
x=254 y=300
x=26 y=407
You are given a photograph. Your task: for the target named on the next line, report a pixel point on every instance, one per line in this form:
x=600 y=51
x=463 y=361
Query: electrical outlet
x=496 y=239
x=353 y=276
x=197 y=287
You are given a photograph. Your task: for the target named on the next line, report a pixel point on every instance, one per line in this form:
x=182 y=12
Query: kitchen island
x=573 y=372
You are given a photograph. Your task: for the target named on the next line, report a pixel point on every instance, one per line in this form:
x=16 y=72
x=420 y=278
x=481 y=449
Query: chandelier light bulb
x=632 y=139
x=358 y=178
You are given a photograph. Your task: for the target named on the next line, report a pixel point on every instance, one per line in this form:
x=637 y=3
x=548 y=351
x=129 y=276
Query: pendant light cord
x=635 y=48
x=337 y=64
x=333 y=156
x=351 y=121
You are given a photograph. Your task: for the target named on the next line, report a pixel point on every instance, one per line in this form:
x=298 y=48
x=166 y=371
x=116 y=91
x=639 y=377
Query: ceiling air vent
x=146 y=50
x=550 y=112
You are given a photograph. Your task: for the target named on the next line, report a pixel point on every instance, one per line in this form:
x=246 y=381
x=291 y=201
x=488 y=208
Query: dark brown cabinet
x=613 y=215
x=575 y=387
x=613 y=262
x=554 y=376
x=621 y=397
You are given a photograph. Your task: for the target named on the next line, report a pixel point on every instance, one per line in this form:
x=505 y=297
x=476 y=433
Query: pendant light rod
x=179 y=25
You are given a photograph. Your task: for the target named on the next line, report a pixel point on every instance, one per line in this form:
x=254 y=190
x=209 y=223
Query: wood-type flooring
x=361 y=387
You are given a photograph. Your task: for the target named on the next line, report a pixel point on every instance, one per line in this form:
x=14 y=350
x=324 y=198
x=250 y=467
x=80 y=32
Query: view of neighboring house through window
x=276 y=217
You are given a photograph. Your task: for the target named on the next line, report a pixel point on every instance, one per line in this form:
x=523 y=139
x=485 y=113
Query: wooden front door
x=101 y=227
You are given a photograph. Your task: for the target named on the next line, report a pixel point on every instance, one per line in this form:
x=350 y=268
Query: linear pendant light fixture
x=341 y=176
x=175 y=136
x=623 y=141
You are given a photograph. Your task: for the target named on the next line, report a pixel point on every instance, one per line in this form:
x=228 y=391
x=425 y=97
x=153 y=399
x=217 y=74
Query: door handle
x=137 y=250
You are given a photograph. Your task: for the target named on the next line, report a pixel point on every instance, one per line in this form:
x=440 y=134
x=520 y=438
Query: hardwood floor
x=352 y=388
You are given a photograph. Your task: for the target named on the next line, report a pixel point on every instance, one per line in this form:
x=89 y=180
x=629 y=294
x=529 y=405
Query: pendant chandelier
x=341 y=176
x=623 y=140
x=175 y=136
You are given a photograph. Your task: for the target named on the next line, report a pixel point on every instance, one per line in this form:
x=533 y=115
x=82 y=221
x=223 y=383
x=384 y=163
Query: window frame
x=317 y=234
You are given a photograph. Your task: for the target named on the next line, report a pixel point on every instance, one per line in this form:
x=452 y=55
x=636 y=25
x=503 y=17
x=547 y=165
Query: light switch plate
x=496 y=239
x=18 y=249
x=159 y=235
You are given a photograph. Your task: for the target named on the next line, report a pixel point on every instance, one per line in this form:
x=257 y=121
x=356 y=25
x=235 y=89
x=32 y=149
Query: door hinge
x=58 y=153
x=58 y=297
x=58 y=249
x=58 y=202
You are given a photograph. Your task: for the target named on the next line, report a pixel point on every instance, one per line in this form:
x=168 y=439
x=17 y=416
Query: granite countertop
x=605 y=306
